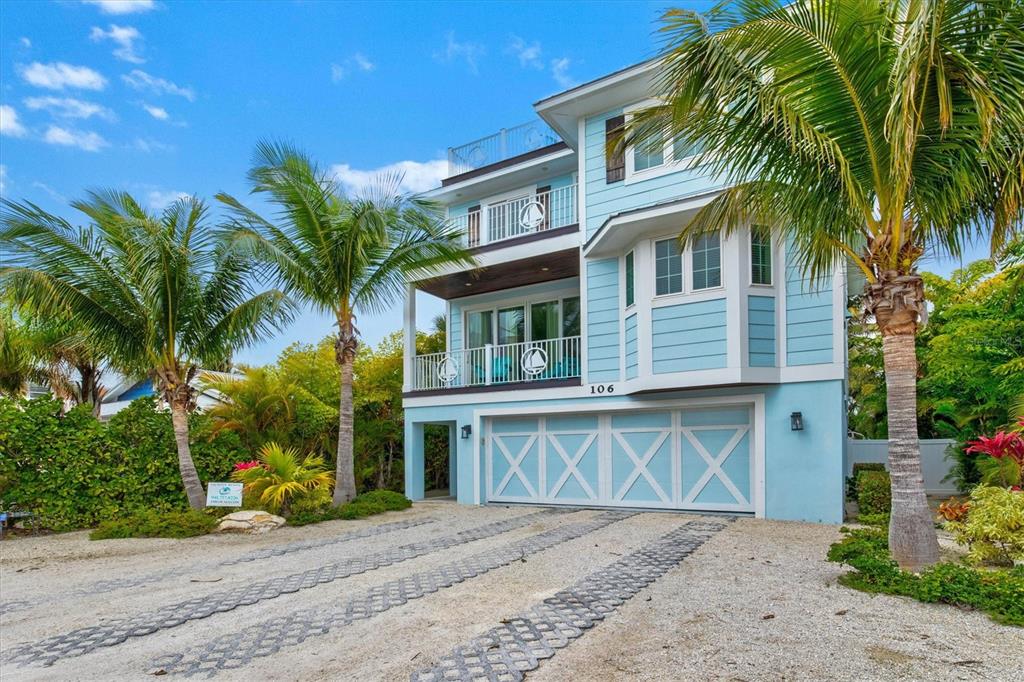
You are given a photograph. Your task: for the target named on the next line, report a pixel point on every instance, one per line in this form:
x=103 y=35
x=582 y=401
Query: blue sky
x=162 y=98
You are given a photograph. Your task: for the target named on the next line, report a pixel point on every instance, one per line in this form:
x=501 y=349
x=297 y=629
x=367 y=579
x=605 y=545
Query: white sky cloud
x=528 y=54
x=85 y=140
x=560 y=72
x=417 y=176
x=58 y=75
x=127 y=38
x=148 y=144
x=3 y=177
x=25 y=42
x=140 y=80
x=122 y=6
x=9 y=123
x=53 y=194
x=69 y=107
x=156 y=112
x=357 y=62
x=159 y=199
x=454 y=50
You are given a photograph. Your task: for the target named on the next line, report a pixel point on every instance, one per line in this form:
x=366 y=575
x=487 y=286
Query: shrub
x=75 y=471
x=367 y=504
x=1002 y=457
x=1000 y=593
x=156 y=524
x=954 y=509
x=280 y=478
x=874 y=494
x=851 y=481
x=994 y=529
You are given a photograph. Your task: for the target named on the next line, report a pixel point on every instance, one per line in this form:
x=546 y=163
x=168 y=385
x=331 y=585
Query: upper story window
x=630 y=280
x=760 y=255
x=537 y=321
x=707 y=261
x=668 y=267
x=614 y=153
x=649 y=154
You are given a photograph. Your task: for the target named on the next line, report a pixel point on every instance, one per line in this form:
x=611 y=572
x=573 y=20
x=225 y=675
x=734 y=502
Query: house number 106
x=602 y=388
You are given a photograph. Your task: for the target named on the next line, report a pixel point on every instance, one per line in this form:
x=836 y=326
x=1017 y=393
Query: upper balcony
x=503 y=145
x=520 y=216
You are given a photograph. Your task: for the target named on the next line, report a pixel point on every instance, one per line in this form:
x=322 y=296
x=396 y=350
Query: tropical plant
x=153 y=291
x=994 y=528
x=258 y=405
x=342 y=255
x=864 y=131
x=18 y=362
x=280 y=477
x=1003 y=457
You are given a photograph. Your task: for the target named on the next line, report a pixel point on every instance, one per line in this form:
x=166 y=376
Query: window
x=544 y=321
x=649 y=154
x=630 y=293
x=707 y=261
x=668 y=267
x=760 y=255
x=511 y=325
x=571 y=316
x=480 y=331
x=614 y=151
x=683 y=148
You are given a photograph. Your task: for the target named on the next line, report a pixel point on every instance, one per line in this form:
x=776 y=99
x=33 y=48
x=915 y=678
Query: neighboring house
x=123 y=391
x=590 y=362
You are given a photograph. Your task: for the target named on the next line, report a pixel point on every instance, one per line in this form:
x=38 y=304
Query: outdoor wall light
x=467 y=430
x=796 y=421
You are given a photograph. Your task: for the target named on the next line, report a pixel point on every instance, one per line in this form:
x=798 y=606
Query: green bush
x=156 y=524
x=994 y=528
x=367 y=504
x=851 y=481
x=1000 y=593
x=874 y=494
x=75 y=471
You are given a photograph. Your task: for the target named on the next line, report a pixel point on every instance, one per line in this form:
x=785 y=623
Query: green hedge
x=367 y=504
x=75 y=471
x=156 y=524
x=999 y=593
x=874 y=492
x=851 y=481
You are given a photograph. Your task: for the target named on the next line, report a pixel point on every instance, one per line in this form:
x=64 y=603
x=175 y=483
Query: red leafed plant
x=242 y=466
x=954 y=509
x=1005 y=457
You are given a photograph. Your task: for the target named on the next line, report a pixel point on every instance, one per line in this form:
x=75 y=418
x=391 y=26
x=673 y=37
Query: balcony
x=497 y=365
x=505 y=144
x=518 y=216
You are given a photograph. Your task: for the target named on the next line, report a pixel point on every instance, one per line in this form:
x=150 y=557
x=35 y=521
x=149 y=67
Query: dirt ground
x=757 y=601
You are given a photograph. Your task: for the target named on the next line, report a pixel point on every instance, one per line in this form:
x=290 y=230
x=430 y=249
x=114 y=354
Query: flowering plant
x=1005 y=457
x=242 y=466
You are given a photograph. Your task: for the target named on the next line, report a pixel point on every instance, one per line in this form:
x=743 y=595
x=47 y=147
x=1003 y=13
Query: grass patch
x=367 y=504
x=156 y=524
x=998 y=592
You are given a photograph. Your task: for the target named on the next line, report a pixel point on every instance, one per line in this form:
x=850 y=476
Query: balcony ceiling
x=534 y=270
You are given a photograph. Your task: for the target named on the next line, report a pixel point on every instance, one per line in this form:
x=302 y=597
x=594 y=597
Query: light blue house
x=591 y=361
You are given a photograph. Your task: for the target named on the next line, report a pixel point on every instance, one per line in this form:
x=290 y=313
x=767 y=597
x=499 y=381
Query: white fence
x=498 y=364
x=934 y=464
x=504 y=144
x=518 y=216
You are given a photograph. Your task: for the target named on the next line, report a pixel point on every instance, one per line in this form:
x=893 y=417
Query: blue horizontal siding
x=688 y=336
x=605 y=199
x=603 y=320
x=632 y=349
x=809 y=312
x=761 y=331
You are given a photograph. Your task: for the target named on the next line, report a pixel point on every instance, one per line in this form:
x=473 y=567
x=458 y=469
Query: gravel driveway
x=448 y=592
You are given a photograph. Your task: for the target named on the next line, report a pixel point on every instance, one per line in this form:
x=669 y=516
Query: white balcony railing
x=498 y=364
x=504 y=144
x=518 y=216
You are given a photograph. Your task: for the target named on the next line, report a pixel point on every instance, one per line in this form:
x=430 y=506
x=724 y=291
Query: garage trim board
x=703 y=454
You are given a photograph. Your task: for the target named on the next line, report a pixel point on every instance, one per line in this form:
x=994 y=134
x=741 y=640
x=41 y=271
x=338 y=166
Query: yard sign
x=224 y=495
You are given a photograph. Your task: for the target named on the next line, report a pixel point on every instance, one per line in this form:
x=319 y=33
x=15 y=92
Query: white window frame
x=525 y=302
x=626 y=305
x=669 y=163
x=688 y=292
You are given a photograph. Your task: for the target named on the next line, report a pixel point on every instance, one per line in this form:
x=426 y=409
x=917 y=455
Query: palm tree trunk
x=189 y=475
x=912 y=539
x=345 y=481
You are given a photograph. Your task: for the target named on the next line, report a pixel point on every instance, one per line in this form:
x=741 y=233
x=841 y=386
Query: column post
x=414 y=460
x=409 y=338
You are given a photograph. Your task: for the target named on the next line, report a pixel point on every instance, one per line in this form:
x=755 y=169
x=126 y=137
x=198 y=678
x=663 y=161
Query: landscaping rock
x=254 y=522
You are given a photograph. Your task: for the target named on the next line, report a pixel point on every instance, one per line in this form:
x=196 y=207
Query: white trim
x=409 y=336
x=737 y=343
x=669 y=163
x=773 y=246
x=447 y=192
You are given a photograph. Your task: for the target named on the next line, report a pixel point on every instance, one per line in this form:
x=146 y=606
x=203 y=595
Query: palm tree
x=342 y=255
x=153 y=291
x=18 y=363
x=868 y=130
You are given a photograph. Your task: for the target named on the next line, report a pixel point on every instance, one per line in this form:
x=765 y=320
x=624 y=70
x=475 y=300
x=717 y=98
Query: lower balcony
x=501 y=366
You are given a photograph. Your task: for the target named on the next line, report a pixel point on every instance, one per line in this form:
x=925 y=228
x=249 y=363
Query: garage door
x=694 y=458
